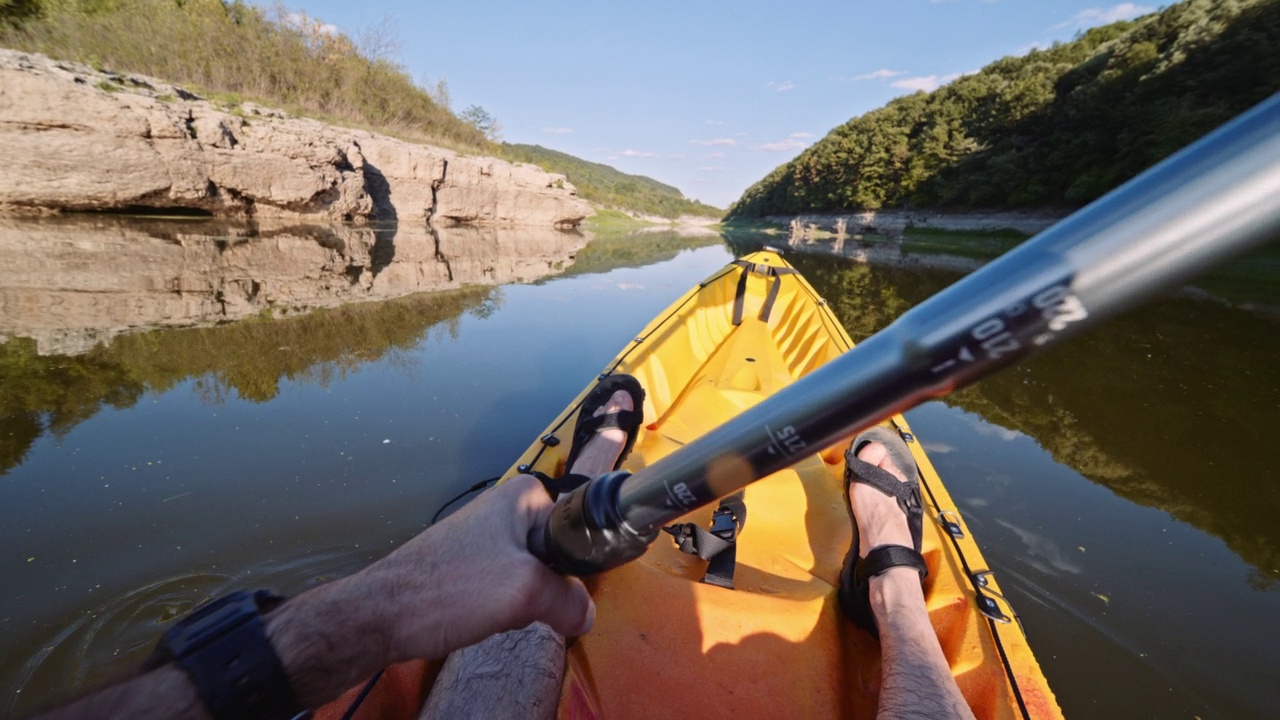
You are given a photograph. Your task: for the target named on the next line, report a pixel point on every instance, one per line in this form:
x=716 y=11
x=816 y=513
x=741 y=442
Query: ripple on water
x=116 y=634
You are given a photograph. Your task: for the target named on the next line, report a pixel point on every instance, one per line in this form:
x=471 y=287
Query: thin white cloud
x=1037 y=45
x=927 y=83
x=676 y=156
x=1091 y=17
x=711 y=156
x=711 y=168
x=783 y=146
x=723 y=142
x=800 y=136
x=881 y=74
x=558 y=130
x=780 y=86
x=713 y=122
x=637 y=154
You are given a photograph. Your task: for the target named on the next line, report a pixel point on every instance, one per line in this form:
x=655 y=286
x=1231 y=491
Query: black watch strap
x=224 y=650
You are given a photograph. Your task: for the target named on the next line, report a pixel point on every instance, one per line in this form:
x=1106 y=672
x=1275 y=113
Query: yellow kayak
x=776 y=644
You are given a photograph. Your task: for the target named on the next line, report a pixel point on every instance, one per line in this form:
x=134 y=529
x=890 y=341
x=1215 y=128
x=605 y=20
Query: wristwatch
x=223 y=649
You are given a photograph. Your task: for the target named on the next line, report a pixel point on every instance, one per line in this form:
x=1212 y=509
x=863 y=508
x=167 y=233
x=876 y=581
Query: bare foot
x=601 y=452
x=880 y=520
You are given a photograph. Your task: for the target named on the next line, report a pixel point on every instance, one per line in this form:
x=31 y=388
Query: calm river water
x=324 y=407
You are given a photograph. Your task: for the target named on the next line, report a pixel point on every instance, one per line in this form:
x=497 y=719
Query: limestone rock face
x=74 y=138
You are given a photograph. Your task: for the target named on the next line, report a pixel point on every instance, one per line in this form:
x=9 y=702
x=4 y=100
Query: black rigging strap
x=740 y=295
x=718 y=544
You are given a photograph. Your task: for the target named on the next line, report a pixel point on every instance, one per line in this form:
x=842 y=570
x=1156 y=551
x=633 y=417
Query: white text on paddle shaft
x=787 y=440
x=684 y=496
x=999 y=335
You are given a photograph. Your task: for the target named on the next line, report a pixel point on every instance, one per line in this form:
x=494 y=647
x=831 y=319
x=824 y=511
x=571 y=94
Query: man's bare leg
x=518 y=674
x=917 y=681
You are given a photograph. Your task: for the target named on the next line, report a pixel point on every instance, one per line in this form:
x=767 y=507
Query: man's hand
x=472 y=575
x=466 y=578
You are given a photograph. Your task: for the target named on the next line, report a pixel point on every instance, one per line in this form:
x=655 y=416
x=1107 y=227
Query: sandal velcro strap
x=566 y=483
x=623 y=419
x=907 y=494
x=589 y=424
x=887 y=557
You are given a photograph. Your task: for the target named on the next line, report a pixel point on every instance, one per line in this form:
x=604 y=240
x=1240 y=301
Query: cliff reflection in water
x=1171 y=406
x=70 y=284
x=75 y=296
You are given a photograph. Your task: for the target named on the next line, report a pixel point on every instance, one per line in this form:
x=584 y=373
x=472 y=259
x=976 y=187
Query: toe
x=620 y=400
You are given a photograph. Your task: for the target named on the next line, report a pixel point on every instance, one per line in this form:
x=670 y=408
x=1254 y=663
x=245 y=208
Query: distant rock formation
x=75 y=138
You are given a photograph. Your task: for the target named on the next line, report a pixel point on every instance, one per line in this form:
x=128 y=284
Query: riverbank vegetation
x=1054 y=128
x=611 y=188
x=238 y=51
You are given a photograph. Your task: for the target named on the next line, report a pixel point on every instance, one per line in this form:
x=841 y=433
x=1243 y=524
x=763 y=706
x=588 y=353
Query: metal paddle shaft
x=1217 y=197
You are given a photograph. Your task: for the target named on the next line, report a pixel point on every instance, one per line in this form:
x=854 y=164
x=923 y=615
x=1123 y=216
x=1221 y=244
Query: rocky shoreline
x=895 y=223
x=75 y=138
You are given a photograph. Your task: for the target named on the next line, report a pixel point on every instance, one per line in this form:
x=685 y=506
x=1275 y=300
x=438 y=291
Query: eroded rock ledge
x=75 y=138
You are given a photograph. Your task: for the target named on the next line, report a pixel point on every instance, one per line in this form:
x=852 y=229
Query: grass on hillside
x=240 y=52
x=609 y=187
x=606 y=220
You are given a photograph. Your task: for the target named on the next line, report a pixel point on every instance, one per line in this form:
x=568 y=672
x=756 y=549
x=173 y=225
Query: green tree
x=1057 y=127
x=480 y=119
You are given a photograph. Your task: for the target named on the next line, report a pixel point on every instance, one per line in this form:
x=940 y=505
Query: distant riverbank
x=896 y=223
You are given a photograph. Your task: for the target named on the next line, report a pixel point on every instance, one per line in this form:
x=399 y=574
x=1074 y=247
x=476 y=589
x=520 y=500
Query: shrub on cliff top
x=279 y=58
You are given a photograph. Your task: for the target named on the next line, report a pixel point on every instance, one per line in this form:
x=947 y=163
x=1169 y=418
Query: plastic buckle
x=723 y=524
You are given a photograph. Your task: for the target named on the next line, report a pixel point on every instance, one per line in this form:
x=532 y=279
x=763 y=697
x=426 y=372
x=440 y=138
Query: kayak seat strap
x=717 y=544
x=740 y=294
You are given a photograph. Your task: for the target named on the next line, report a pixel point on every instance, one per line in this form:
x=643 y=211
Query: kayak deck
x=777 y=643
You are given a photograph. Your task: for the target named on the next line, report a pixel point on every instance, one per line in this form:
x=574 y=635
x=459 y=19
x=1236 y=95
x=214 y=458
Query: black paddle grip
x=586 y=533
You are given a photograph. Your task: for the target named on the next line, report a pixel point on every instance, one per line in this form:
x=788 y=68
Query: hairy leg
x=917 y=681
x=518 y=674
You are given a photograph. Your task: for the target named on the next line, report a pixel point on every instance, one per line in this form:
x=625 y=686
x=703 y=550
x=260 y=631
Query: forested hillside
x=1053 y=128
x=608 y=187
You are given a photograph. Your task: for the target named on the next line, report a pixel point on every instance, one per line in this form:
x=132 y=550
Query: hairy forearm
x=162 y=693
x=330 y=638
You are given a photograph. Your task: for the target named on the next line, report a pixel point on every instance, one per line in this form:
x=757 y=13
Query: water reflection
x=1169 y=406
x=69 y=287
x=72 y=284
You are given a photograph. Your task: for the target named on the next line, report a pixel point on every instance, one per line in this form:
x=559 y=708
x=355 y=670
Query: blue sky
x=708 y=98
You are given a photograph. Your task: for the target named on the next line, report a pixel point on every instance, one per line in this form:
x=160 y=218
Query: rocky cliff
x=76 y=138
